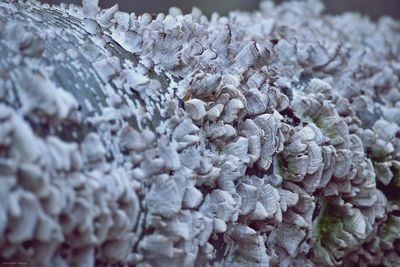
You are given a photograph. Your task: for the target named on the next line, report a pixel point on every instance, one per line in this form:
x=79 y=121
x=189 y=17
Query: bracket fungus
x=269 y=138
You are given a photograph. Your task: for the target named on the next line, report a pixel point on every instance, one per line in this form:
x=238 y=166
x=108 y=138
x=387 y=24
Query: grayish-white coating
x=256 y=139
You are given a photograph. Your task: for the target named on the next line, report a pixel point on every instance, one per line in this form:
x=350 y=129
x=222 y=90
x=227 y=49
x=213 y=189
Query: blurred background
x=372 y=8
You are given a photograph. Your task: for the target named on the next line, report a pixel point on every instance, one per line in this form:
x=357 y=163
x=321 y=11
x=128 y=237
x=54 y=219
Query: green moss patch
x=328 y=222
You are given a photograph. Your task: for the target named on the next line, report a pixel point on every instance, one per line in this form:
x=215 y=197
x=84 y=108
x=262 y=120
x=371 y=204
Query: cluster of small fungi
x=268 y=138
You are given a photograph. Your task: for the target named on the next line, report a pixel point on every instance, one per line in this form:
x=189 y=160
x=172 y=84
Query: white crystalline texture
x=122 y=19
x=269 y=138
x=106 y=68
x=91 y=26
x=106 y=17
x=90 y=8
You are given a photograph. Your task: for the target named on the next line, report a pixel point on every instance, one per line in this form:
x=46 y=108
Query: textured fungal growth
x=268 y=138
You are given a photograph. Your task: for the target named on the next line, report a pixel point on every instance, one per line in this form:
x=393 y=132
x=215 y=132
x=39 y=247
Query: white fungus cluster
x=257 y=139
